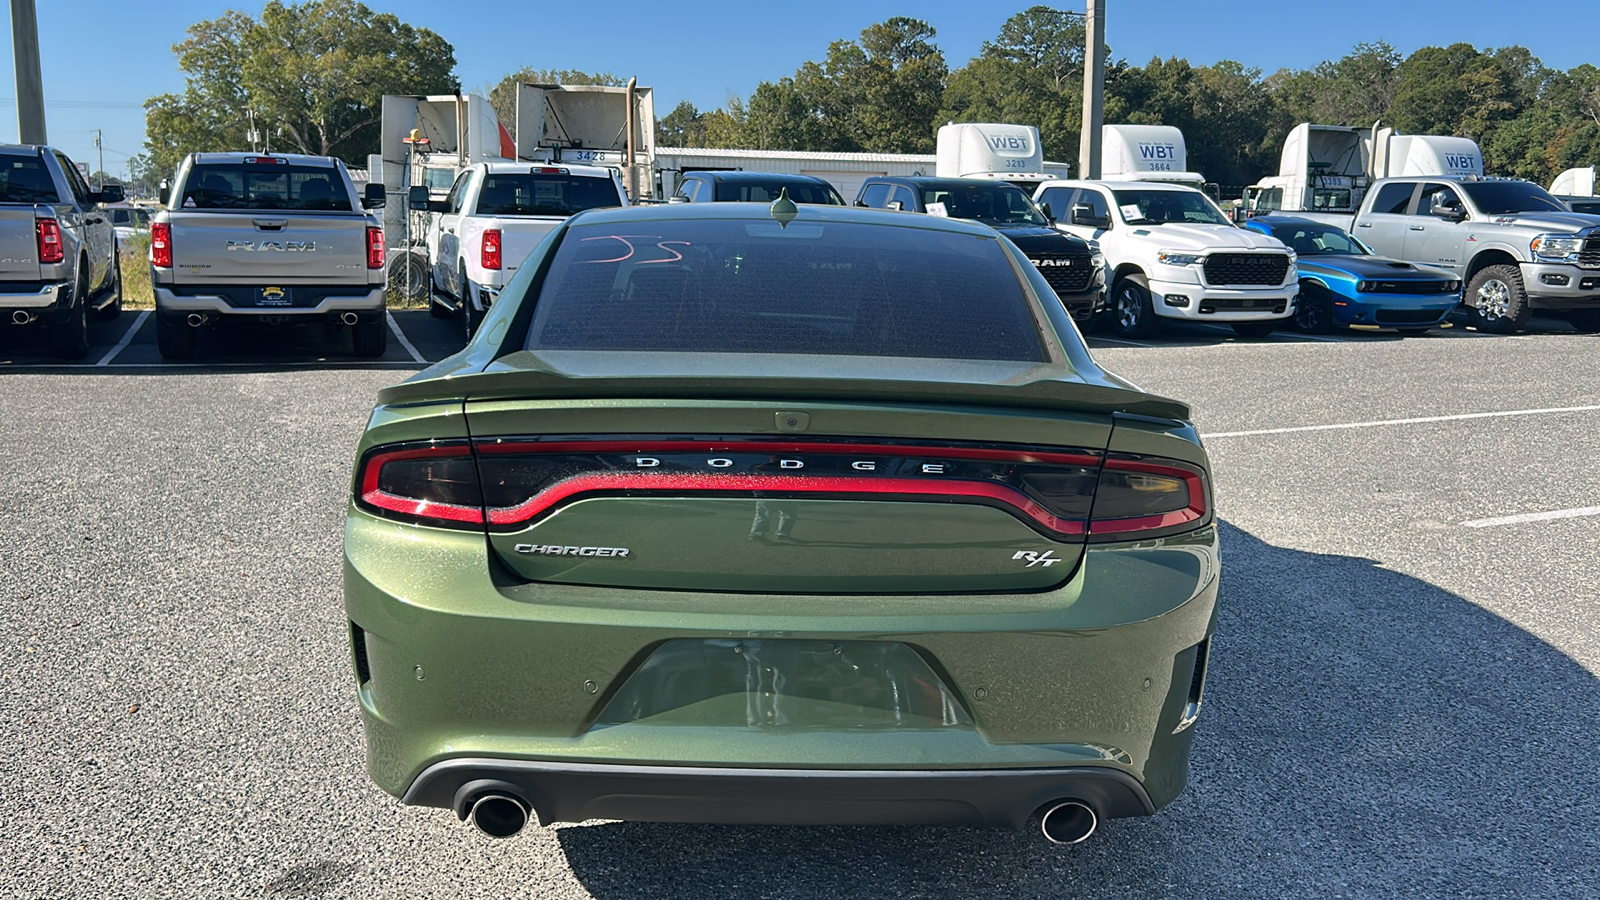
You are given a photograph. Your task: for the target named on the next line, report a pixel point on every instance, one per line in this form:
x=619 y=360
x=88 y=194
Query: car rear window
x=24 y=179
x=277 y=185
x=753 y=286
x=528 y=194
x=746 y=192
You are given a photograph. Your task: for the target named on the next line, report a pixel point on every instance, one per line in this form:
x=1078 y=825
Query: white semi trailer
x=1010 y=153
x=591 y=125
x=1325 y=170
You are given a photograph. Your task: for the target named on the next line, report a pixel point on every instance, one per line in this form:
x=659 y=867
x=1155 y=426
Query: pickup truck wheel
x=114 y=308
x=1313 y=309
x=175 y=338
x=1132 y=313
x=71 y=338
x=370 y=338
x=1585 y=320
x=1498 y=301
x=1255 y=329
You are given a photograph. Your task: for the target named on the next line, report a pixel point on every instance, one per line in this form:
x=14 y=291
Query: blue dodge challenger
x=1342 y=283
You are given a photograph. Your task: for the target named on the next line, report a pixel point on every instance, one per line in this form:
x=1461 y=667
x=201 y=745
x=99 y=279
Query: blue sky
x=102 y=58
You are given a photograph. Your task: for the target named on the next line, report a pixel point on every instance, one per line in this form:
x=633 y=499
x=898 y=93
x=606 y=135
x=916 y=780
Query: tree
x=315 y=73
x=685 y=126
x=1031 y=74
x=503 y=96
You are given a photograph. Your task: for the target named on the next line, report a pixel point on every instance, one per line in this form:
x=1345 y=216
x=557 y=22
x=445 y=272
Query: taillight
x=374 y=247
x=161 y=245
x=432 y=484
x=491 y=248
x=1142 y=497
x=49 y=233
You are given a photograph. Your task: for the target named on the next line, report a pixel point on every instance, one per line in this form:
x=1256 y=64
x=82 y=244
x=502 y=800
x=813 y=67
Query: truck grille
x=1246 y=269
x=1589 y=256
x=1407 y=287
x=1243 y=304
x=1073 y=278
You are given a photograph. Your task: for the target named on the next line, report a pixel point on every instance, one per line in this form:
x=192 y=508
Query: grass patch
x=136 y=273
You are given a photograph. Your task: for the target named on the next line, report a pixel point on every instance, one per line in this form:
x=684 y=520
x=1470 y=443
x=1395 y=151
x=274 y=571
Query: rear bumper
x=48 y=295
x=169 y=301
x=575 y=792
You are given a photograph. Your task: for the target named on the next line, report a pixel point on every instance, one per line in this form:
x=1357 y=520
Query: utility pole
x=1094 y=90
x=30 y=84
x=100 y=152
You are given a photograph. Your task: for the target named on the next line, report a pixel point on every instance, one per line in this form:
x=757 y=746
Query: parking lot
x=1402 y=697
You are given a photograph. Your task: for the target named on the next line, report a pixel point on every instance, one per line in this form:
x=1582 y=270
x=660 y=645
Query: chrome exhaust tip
x=1068 y=822
x=195 y=320
x=21 y=317
x=349 y=318
x=498 y=815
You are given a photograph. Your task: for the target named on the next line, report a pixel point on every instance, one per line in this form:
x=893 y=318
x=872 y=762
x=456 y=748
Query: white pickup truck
x=494 y=216
x=1172 y=254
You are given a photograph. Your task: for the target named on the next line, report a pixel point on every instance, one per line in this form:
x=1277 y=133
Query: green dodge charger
x=779 y=515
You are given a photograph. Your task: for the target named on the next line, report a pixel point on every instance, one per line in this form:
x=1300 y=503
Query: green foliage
x=313 y=74
x=503 y=96
x=1030 y=74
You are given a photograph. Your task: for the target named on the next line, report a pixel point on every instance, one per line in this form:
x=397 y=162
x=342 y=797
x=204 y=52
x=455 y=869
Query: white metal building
x=845 y=171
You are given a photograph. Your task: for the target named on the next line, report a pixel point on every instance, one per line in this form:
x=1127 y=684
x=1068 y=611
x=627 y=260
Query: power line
x=77 y=104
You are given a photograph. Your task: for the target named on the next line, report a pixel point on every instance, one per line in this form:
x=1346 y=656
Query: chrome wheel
x=1493 y=299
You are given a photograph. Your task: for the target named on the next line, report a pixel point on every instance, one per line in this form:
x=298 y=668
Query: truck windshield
x=1497 y=198
x=24 y=179
x=1159 y=207
x=991 y=204
x=529 y=194
x=277 y=185
x=799 y=192
x=1317 y=240
x=751 y=285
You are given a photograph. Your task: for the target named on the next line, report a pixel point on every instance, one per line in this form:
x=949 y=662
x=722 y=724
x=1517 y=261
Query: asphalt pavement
x=1402 y=701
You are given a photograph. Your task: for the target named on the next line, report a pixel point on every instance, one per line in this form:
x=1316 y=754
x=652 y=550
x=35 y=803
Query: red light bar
x=548 y=170
x=266 y=161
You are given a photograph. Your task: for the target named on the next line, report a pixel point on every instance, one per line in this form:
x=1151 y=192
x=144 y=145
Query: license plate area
x=272 y=295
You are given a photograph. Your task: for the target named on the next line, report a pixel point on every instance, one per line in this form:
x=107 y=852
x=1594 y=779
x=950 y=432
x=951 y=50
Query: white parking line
x=395 y=327
x=1575 y=513
x=1416 y=421
x=126 y=339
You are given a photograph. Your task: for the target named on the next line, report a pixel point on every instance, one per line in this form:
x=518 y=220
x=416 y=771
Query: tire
x=1586 y=321
x=471 y=317
x=175 y=338
x=1497 y=300
x=1313 y=311
x=114 y=308
x=1132 y=313
x=370 y=338
x=1255 y=329
x=408 y=275
x=70 y=339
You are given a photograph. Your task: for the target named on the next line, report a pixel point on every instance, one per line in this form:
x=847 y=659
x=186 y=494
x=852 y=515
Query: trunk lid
x=778 y=474
x=268 y=247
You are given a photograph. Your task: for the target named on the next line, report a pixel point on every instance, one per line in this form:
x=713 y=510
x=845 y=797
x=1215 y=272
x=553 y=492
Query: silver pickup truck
x=271 y=240
x=1515 y=246
x=58 y=253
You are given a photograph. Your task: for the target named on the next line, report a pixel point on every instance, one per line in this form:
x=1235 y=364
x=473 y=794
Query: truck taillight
x=161 y=245
x=50 y=249
x=374 y=247
x=491 y=248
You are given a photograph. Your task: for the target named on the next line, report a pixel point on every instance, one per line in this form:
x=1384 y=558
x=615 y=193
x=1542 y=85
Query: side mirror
x=1450 y=211
x=897 y=206
x=1048 y=212
x=438 y=206
x=165 y=193
x=861 y=203
x=109 y=193
x=1083 y=214
x=375 y=196
x=417 y=197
